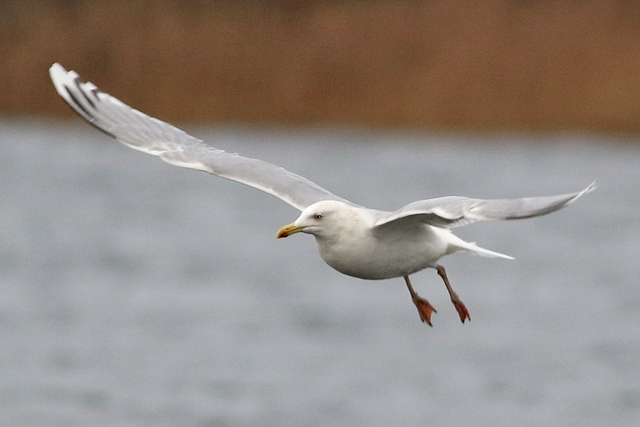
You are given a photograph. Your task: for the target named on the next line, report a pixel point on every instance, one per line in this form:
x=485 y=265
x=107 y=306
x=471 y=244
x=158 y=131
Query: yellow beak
x=288 y=230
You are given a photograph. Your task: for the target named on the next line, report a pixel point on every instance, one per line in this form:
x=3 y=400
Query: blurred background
x=483 y=65
x=134 y=293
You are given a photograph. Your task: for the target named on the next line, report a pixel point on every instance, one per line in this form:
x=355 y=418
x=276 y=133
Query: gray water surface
x=135 y=293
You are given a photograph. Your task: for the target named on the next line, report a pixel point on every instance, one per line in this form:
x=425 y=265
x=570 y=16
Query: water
x=135 y=293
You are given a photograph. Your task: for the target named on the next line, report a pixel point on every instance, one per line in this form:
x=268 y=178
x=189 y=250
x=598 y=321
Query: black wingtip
x=77 y=106
x=78 y=81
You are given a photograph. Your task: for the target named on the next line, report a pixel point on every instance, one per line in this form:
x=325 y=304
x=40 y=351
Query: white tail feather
x=472 y=247
x=456 y=244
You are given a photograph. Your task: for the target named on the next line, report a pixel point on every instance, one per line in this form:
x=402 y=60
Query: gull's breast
x=372 y=256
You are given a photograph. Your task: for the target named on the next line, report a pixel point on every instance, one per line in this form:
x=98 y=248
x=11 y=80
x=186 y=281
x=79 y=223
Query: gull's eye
x=318 y=216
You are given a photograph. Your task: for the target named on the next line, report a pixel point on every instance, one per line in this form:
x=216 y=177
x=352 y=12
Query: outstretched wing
x=455 y=211
x=141 y=132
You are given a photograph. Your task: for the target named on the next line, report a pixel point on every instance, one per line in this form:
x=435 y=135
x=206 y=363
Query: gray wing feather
x=150 y=135
x=456 y=211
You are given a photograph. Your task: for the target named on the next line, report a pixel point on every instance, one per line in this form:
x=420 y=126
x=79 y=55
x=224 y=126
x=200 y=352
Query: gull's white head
x=322 y=219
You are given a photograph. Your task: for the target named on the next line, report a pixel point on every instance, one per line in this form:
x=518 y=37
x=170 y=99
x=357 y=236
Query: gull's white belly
x=368 y=256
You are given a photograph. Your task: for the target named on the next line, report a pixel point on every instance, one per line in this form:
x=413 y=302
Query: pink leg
x=460 y=307
x=425 y=309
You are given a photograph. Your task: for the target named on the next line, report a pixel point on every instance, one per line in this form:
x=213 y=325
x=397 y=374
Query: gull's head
x=321 y=219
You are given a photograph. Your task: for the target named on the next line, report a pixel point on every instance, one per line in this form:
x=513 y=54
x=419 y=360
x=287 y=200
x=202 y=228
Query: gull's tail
x=473 y=248
x=456 y=244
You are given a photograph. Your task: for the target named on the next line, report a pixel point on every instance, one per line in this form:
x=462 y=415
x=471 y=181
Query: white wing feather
x=455 y=211
x=150 y=135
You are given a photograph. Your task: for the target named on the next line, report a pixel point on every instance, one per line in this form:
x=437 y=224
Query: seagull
x=356 y=241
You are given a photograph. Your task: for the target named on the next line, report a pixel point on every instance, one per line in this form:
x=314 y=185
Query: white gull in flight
x=357 y=241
